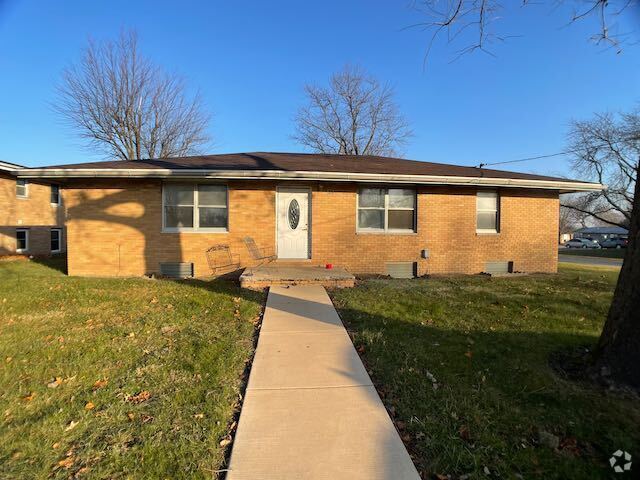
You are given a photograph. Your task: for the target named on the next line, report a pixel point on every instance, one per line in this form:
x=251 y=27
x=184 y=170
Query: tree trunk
x=619 y=345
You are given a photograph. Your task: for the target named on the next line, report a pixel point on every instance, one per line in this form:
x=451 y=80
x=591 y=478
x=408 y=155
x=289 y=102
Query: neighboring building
x=601 y=233
x=565 y=237
x=367 y=213
x=31 y=215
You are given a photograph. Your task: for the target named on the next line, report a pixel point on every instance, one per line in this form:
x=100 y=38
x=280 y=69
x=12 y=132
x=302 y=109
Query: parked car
x=614 y=243
x=581 y=243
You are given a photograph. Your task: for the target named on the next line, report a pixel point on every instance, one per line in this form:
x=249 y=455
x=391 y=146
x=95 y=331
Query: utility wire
x=539 y=157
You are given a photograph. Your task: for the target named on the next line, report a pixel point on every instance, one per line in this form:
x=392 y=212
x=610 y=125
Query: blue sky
x=251 y=59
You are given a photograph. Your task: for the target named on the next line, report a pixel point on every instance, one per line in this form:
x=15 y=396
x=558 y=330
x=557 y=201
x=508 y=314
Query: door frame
x=309 y=222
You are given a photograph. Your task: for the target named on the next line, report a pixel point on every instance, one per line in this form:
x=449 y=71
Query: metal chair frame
x=260 y=255
x=221 y=260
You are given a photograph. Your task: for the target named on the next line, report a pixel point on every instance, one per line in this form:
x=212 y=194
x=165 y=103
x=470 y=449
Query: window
x=487 y=212
x=22 y=189
x=386 y=210
x=55 y=194
x=56 y=240
x=22 y=240
x=190 y=207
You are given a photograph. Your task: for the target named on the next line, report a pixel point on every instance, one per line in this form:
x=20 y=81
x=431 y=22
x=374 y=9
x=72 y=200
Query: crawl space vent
x=401 y=269
x=498 y=268
x=176 y=269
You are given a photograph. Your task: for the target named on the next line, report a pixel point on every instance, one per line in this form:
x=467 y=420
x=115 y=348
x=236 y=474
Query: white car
x=581 y=243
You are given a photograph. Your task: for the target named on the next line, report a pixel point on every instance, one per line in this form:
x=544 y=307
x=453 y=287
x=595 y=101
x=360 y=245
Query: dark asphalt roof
x=603 y=230
x=308 y=162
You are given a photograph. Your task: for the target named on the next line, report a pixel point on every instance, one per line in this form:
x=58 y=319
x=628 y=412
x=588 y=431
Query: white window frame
x=496 y=195
x=26 y=188
x=386 y=229
x=26 y=240
x=196 y=217
x=54 y=185
x=59 y=230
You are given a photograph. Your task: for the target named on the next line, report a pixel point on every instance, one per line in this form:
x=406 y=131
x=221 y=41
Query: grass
x=462 y=364
x=118 y=378
x=594 y=252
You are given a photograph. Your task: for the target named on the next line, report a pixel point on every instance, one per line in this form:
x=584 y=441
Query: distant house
x=601 y=233
x=371 y=215
x=31 y=215
x=565 y=237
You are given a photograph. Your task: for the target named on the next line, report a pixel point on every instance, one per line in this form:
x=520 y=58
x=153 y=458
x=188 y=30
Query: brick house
x=31 y=215
x=367 y=214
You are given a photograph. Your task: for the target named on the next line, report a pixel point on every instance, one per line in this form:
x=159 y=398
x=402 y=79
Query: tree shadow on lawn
x=468 y=399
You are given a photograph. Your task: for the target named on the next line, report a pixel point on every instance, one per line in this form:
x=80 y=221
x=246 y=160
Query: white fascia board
x=68 y=173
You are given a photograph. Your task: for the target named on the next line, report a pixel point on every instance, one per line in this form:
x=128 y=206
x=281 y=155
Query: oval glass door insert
x=294 y=214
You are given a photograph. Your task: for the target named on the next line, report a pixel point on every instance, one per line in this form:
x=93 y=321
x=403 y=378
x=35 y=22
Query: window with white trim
x=22 y=188
x=195 y=208
x=56 y=240
x=55 y=194
x=386 y=210
x=487 y=212
x=22 y=240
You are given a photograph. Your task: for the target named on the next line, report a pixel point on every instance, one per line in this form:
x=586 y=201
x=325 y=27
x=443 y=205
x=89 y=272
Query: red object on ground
x=329 y=266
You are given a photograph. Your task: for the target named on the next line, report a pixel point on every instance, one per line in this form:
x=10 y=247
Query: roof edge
x=10 y=167
x=64 y=173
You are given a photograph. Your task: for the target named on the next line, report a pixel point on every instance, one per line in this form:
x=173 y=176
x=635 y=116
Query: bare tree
x=618 y=349
x=570 y=220
x=354 y=115
x=129 y=108
x=454 y=19
x=606 y=149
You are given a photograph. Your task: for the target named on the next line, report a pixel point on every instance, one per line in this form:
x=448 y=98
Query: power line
x=539 y=157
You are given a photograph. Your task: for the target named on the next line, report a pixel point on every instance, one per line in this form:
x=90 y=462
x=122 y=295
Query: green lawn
x=463 y=365
x=594 y=252
x=118 y=378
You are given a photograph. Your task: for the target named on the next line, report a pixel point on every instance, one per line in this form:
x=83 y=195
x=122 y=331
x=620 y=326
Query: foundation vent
x=176 y=269
x=498 y=268
x=401 y=269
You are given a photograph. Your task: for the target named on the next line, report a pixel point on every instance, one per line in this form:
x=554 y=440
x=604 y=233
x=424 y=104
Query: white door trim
x=309 y=210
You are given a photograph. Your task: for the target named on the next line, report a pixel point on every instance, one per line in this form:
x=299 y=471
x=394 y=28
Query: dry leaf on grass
x=72 y=424
x=67 y=463
x=54 y=382
x=100 y=383
x=140 y=397
x=464 y=433
x=89 y=406
x=28 y=398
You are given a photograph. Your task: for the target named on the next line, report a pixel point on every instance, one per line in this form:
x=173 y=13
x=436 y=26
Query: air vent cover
x=176 y=269
x=401 y=269
x=497 y=268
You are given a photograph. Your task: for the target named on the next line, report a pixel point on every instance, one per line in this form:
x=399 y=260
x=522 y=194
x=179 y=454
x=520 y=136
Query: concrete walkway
x=310 y=410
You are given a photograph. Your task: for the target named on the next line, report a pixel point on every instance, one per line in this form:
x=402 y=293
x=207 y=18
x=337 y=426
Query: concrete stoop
x=258 y=278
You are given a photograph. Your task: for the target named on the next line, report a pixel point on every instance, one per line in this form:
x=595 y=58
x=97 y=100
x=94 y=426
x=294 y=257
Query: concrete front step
x=279 y=274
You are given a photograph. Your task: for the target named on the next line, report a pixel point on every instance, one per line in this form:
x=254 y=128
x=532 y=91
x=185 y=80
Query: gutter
x=69 y=173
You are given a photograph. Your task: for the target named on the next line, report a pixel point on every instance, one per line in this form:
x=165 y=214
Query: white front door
x=292 y=214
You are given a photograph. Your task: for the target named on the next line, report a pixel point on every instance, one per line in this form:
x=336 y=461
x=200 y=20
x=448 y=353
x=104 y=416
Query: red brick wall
x=114 y=228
